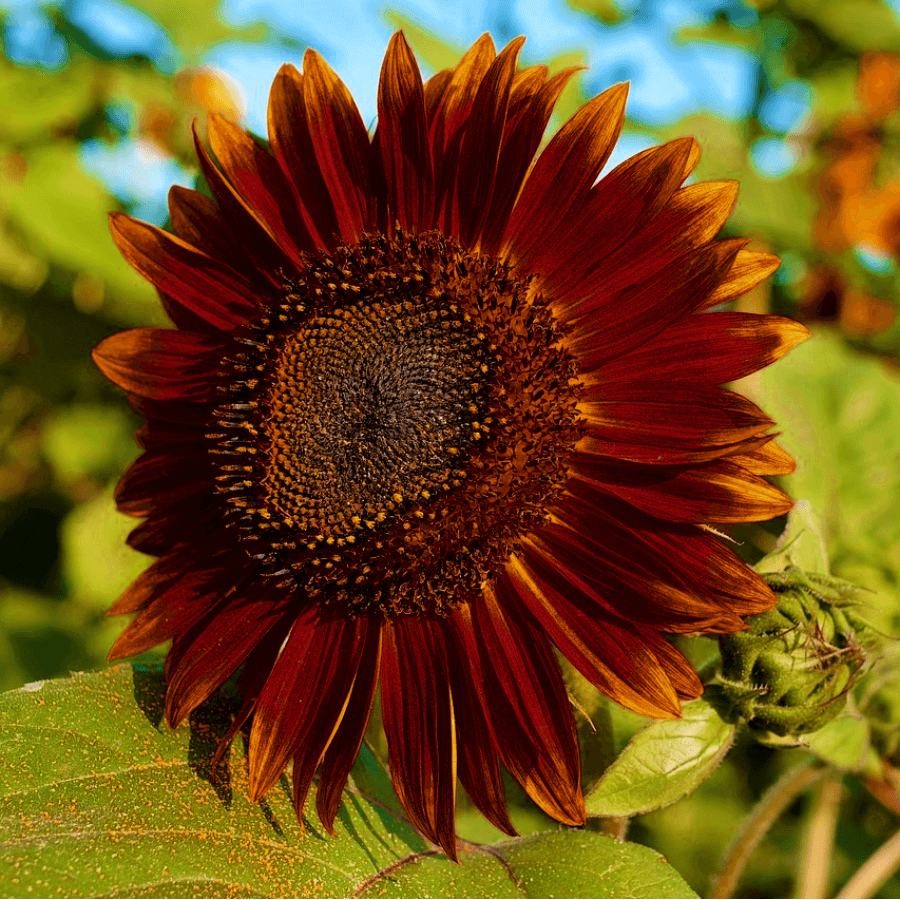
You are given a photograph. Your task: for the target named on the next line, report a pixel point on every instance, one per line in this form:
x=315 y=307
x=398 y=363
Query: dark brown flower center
x=404 y=413
x=373 y=404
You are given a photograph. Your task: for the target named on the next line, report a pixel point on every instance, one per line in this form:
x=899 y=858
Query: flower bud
x=789 y=673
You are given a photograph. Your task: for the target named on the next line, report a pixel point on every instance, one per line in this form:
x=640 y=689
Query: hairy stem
x=875 y=871
x=816 y=854
x=761 y=819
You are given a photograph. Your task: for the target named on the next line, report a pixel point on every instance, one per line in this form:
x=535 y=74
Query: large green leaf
x=840 y=414
x=663 y=763
x=99 y=798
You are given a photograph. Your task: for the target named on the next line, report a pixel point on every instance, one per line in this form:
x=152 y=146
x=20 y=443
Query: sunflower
x=432 y=407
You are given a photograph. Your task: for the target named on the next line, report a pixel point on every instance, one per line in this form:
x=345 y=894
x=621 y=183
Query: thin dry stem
x=793 y=783
x=875 y=871
x=817 y=852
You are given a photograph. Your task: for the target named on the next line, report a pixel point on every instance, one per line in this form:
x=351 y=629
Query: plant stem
x=875 y=871
x=818 y=844
x=776 y=799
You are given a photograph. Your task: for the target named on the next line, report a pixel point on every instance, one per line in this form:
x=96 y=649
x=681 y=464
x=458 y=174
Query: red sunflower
x=431 y=407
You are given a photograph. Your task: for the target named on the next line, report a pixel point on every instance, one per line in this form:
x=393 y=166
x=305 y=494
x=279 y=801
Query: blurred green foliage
x=65 y=434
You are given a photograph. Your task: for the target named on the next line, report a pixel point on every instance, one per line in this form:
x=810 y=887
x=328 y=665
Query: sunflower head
x=433 y=404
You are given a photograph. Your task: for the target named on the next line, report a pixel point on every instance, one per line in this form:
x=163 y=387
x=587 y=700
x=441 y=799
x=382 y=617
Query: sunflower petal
x=562 y=177
x=402 y=139
x=478 y=762
x=717 y=492
x=530 y=109
x=711 y=348
x=668 y=423
x=205 y=286
x=608 y=653
x=258 y=178
x=292 y=143
x=304 y=698
x=344 y=748
x=341 y=144
x=524 y=696
x=419 y=723
x=480 y=150
x=160 y=363
x=212 y=650
x=747 y=271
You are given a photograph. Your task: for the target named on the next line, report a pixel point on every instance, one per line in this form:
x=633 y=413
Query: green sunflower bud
x=790 y=672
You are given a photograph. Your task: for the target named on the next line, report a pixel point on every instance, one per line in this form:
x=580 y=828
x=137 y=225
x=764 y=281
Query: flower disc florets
x=404 y=412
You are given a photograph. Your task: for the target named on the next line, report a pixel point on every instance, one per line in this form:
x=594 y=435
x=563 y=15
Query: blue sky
x=670 y=79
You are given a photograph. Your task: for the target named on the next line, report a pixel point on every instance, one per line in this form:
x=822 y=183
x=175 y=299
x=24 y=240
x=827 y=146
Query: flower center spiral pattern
x=405 y=411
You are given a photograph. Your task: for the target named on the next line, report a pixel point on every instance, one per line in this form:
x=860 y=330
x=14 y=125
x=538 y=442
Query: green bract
x=789 y=673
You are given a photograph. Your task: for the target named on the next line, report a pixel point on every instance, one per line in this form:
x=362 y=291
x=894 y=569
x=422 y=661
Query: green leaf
x=844 y=743
x=663 y=763
x=840 y=415
x=99 y=798
x=561 y=864
x=802 y=544
x=62 y=213
x=37 y=103
x=858 y=24
x=197 y=26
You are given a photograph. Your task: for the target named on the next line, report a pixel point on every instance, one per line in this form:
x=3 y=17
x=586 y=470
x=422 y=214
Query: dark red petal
x=161 y=364
x=477 y=759
x=615 y=573
x=693 y=560
x=608 y=652
x=403 y=140
x=365 y=635
x=681 y=673
x=449 y=95
x=562 y=176
x=216 y=231
x=252 y=679
x=419 y=723
x=304 y=698
x=448 y=107
x=523 y=693
x=289 y=134
x=747 y=271
x=344 y=748
x=529 y=113
x=621 y=204
x=179 y=412
x=769 y=459
x=722 y=491
x=211 y=651
x=174 y=520
x=157 y=478
x=710 y=348
x=435 y=92
x=172 y=603
x=480 y=149
x=662 y=423
x=613 y=318
x=259 y=179
x=257 y=241
x=341 y=145
x=205 y=286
